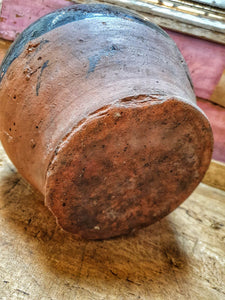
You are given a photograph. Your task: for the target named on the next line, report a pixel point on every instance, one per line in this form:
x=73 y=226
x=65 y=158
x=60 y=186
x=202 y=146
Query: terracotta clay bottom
x=127 y=166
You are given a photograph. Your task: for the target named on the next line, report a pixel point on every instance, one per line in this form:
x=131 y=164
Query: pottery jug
x=98 y=113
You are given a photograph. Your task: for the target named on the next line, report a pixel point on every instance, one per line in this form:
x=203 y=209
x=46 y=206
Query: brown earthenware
x=99 y=114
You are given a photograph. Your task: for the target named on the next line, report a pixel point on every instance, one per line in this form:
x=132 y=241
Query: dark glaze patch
x=63 y=16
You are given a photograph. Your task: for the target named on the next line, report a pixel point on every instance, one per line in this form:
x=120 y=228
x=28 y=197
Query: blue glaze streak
x=94 y=60
x=45 y=64
x=67 y=15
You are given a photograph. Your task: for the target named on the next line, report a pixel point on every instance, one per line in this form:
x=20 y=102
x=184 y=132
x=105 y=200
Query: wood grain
x=218 y=95
x=180 y=257
x=215 y=176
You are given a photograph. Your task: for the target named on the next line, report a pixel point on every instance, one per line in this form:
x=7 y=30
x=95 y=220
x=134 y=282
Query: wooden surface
x=215 y=176
x=218 y=95
x=180 y=257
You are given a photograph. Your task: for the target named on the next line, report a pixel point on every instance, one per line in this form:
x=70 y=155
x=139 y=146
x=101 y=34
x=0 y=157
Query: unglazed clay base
x=127 y=166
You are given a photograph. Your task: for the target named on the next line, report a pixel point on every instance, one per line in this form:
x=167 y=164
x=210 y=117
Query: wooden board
x=180 y=257
x=215 y=176
x=218 y=95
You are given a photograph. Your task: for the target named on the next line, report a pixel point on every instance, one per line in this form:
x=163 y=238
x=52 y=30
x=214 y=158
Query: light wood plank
x=180 y=257
x=218 y=95
x=215 y=176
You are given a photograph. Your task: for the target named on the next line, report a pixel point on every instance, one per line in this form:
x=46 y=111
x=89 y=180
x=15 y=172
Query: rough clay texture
x=99 y=115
